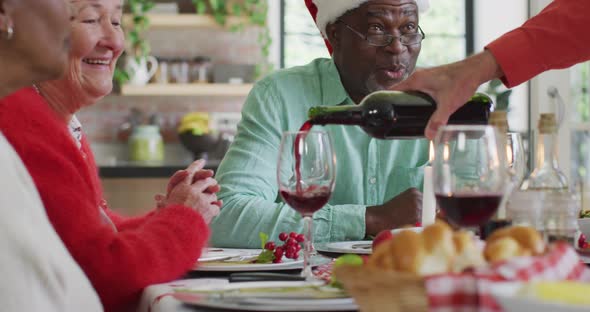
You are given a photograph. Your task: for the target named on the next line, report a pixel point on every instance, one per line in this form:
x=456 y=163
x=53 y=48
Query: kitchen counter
x=136 y=170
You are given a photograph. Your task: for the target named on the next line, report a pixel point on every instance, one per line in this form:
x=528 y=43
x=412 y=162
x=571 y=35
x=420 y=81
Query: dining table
x=160 y=297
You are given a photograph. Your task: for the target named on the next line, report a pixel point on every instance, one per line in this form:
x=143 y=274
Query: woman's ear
x=6 y=23
x=333 y=34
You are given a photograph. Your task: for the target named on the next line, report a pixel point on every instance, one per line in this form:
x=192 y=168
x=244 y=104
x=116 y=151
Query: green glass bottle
x=397 y=115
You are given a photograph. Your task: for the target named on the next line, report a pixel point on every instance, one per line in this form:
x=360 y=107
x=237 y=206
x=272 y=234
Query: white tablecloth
x=157 y=298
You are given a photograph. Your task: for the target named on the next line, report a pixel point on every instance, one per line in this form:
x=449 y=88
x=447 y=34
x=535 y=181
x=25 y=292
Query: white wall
x=492 y=19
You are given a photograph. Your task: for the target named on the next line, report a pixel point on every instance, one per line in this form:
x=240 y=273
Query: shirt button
x=373 y=180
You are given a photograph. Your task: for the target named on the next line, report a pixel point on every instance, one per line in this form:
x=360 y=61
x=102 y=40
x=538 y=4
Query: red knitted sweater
x=155 y=248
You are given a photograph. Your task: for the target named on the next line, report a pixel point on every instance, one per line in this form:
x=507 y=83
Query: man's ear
x=333 y=34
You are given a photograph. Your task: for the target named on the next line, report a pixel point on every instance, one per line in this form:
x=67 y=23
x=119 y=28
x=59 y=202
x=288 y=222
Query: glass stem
x=307 y=246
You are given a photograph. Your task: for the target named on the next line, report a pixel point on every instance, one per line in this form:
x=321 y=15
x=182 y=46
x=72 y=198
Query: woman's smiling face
x=97 y=41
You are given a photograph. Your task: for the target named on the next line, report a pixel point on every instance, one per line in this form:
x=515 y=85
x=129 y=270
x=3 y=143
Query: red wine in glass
x=301 y=136
x=309 y=200
x=469 y=209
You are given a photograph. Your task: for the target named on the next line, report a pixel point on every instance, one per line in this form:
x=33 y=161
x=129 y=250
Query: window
x=580 y=133
x=448 y=34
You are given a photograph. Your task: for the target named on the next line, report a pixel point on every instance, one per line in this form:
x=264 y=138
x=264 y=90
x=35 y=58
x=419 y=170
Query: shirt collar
x=333 y=90
x=76 y=131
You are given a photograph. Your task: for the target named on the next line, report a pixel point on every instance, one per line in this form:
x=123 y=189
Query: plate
x=217 y=254
x=229 y=266
x=238 y=260
x=350 y=247
x=268 y=296
x=355 y=247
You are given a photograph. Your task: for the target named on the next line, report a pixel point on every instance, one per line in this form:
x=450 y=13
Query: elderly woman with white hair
x=375 y=45
x=119 y=255
x=38 y=273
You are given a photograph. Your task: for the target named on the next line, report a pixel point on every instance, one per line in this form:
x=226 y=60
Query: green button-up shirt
x=369 y=171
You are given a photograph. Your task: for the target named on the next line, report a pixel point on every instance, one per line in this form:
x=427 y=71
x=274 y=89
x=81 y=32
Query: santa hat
x=328 y=11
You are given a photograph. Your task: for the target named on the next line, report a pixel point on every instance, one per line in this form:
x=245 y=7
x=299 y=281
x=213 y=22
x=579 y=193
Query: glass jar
x=162 y=74
x=200 y=69
x=560 y=216
x=179 y=71
x=526 y=208
x=146 y=144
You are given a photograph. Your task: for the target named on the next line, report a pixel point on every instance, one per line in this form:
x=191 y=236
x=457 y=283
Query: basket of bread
x=440 y=269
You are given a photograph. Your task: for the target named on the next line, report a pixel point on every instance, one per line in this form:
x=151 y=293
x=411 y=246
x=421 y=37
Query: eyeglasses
x=383 y=40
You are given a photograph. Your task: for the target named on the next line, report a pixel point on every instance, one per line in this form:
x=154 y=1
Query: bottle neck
x=339 y=115
x=547 y=153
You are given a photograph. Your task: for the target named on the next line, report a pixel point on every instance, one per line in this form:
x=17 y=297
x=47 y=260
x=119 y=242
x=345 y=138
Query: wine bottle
x=396 y=115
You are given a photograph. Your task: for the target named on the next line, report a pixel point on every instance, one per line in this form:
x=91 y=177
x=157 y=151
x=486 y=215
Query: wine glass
x=515 y=159
x=469 y=173
x=306 y=173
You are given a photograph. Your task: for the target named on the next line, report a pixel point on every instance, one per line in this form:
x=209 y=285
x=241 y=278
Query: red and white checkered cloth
x=471 y=291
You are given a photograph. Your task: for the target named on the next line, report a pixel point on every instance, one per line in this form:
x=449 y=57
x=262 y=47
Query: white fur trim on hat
x=330 y=10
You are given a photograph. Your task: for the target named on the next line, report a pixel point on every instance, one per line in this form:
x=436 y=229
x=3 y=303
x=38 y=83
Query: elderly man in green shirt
x=375 y=45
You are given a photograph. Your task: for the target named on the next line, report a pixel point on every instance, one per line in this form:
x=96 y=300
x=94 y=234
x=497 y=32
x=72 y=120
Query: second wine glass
x=306 y=174
x=469 y=173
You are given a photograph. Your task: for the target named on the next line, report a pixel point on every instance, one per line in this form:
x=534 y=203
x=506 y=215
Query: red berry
x=297 y=247
x=270 y=246
x=291 y=249
x=283 y=236
x=381 y=237
x=295 y=256
x=277 y=260
x=292 y=235
x=581 y=240
x=279 y=252
x=290 y=242
x=288 y=255
x=300 y=238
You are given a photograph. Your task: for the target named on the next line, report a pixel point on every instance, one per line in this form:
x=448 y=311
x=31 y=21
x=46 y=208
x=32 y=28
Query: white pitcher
x=139 y=72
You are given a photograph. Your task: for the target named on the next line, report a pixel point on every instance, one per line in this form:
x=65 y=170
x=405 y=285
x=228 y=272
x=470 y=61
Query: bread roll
x=468 y=254
x=437 y=240
x=528 y=242
x=503 y=248
x=429 y=252
x=404 y=252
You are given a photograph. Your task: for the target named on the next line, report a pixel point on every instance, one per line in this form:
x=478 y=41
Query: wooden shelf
x=191 y=89
x=185 y=20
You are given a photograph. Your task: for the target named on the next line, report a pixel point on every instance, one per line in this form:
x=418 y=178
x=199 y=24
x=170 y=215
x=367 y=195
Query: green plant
x=138 y=46
x=496 y=89
x=255 y=12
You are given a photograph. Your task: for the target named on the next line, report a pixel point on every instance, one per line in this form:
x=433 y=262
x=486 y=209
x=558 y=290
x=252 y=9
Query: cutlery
x=262 y=276
x=229 y=259
x=362 y=246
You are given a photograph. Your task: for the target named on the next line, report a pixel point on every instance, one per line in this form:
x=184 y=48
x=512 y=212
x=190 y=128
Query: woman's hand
x=193 y=187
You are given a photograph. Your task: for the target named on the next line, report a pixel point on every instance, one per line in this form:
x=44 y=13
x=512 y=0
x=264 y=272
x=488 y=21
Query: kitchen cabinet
x=133 y=196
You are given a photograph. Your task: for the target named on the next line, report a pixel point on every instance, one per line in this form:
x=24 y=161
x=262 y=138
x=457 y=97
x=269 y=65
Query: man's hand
x=451 y=85
x=404 y=209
